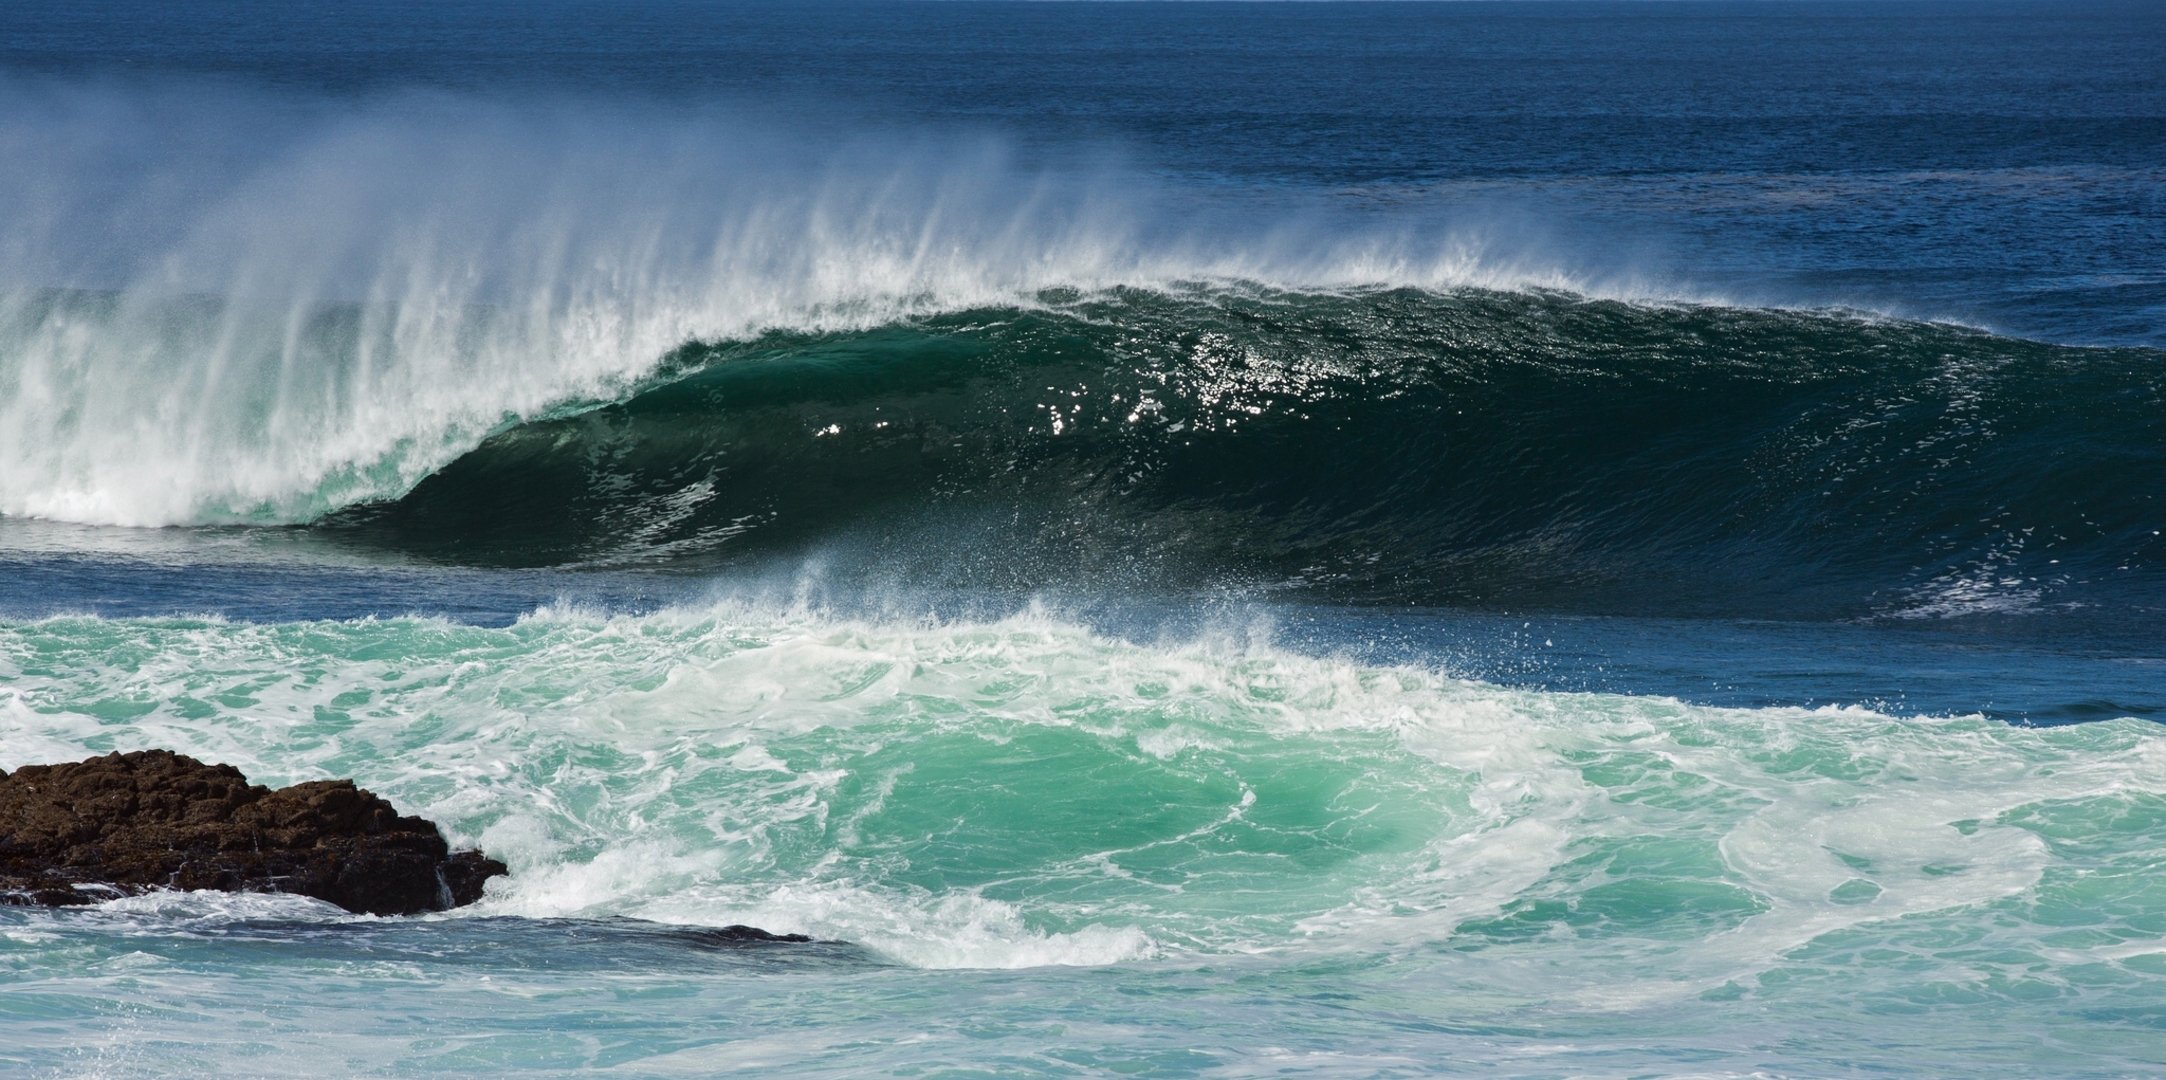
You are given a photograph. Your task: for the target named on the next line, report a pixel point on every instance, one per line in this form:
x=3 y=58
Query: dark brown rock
x=737 y=934
x=154 y=819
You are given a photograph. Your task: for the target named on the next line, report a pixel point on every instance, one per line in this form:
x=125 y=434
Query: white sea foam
x=310 y=308
x=168 y=908
x=1025 y=792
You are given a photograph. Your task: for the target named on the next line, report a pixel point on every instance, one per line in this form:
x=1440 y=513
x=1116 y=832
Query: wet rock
x=735 y=934
x=152 y=819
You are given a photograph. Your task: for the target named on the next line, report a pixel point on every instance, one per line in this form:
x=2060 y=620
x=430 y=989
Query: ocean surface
x=1536 y=539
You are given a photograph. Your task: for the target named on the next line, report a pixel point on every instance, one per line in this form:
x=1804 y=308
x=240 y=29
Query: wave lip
x=266 y=329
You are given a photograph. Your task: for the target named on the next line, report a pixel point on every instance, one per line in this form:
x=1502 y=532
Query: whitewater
x=1525 y=877
x=378 y=289
x=1532 y=540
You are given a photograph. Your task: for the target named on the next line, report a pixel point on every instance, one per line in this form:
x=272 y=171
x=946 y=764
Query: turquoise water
x=1050 y=850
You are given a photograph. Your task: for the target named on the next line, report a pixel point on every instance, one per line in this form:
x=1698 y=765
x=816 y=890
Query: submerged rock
x=152 y=819
x=735 y=934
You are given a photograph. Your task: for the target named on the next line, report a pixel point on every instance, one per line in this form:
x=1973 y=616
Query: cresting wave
x=217 y=306
x=1023 y=792
x=575 y=335
x=1380 y=445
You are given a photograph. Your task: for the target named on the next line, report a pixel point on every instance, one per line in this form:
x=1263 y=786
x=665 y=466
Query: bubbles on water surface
x=1028 y=792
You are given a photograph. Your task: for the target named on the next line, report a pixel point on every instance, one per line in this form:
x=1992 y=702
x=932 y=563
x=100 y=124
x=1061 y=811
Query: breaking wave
x=573 y=335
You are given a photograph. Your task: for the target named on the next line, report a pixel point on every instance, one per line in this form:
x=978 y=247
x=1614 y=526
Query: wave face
x=219 y=306
x=1486 y=869
x=1390 y=445
x=456 y=329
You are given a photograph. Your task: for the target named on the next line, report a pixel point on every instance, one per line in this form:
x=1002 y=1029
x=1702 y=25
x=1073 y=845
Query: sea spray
x=330 y=309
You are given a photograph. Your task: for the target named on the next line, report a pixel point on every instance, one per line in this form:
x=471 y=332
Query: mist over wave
x=220 y=306
x=580 y=331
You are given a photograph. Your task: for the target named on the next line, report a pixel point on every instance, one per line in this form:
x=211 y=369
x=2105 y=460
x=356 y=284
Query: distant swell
x=1383 y=446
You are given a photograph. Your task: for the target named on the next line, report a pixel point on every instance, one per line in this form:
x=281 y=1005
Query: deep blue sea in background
x=1528 y=538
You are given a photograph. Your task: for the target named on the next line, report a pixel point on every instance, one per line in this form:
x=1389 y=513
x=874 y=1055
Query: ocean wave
x=1377 y=445
x=1381 y=445
x=566 y=333
x=218 y=306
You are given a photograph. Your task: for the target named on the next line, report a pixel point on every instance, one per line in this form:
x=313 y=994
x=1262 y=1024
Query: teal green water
x=1213 y=856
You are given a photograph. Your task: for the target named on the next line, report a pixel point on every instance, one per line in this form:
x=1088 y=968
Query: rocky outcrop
x=153 y=819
